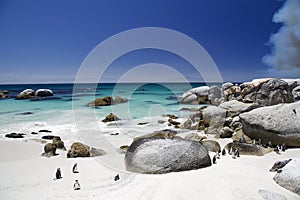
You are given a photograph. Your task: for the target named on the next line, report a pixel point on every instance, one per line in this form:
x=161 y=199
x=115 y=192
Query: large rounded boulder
x=43 y=93
x=278 y=124
x=158 y=156
x=78 y=150
x=289 y=176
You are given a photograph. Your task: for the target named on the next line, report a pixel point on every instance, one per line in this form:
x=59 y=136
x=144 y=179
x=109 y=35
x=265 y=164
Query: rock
x=214 y=95
x=235 y=107
x=34 y=133
x=194 y=137
x=158 y=156
x=161 y=121
x=211 y=145
x=49 y=150
x=104 y=101
x=59 y=143
x=119 y=99
x=249 y=149
x=268 y=195
x=96 y=152
x=214 y=118
x=43 y=93
x=3 y=94
x=25 y=94
x=78 y=150
x=296 y=93
x=199 y=125
x=226 y=86
x=81 y=150
x=25 y=113
x=239 y=134
x=226 y=132
x=278 y=124
x=171 y=116
x=163 y=134
x=266 y=92
x=123 y=149
x=50 y=137
x=197 y=95
x=289 y=176
x=15 y=135
x=143 y=123
x=110 y=118
x=279 y=165
x=187 y=124
x=235 y=123
x=189 y=109
x=173 y=122
x=231 y=92
x=45 y=131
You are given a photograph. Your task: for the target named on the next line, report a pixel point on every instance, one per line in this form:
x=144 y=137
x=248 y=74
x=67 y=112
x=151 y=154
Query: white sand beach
x=25 y=174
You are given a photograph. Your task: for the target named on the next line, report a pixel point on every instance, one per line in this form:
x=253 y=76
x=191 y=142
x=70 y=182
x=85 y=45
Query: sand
x=27 y=175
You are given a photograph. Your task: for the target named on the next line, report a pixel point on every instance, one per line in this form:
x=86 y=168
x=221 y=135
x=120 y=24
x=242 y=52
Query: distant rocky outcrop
x=80 y=150
x=261 y=92
x=30 y=94
x=158 y=156
x=110 y=118
x=278 y=124
x=106 y=101
x=3 y=94
x=26 y=94
x=43 y=93
x=288 y=176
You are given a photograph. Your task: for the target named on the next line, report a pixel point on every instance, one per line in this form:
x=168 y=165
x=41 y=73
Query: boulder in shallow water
x=104 y=101
x=119 y=99
x=278 y=124
x=43 y=93
x=110 y=118
x=158 y=156
x=25 y=94
x=15 y=135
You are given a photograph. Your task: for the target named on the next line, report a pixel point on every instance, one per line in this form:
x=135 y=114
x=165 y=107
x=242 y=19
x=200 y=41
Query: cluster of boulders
x=30 y=94
x=50 y=148
x=77 y=149
x=106 y=101
x=266 y=110
x=264 y=92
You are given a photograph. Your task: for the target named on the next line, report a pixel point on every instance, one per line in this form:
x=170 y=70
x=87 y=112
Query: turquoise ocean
x=67 y=112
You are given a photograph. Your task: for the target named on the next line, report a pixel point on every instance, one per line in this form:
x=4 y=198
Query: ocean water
x=67 y=113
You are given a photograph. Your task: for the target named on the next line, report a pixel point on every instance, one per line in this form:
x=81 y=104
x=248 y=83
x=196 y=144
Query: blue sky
x=46 y=41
